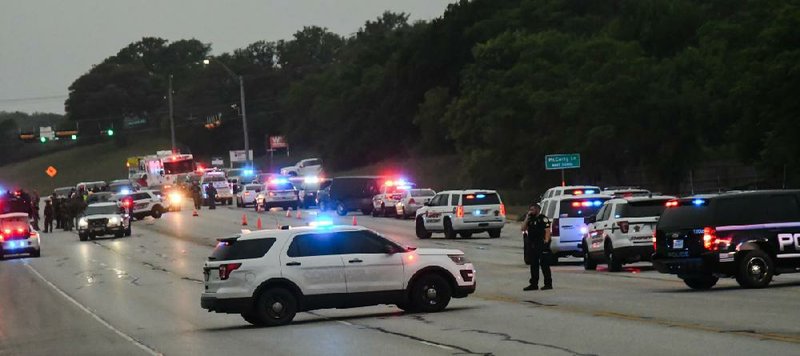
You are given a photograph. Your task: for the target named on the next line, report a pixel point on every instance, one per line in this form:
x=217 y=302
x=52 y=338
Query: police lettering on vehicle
x=789 y=240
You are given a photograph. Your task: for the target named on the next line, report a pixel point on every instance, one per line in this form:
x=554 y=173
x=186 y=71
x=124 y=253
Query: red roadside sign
x=278 y=142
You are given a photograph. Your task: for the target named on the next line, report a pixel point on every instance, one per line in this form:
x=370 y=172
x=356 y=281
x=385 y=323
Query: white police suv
x=622 y=231
x=462 y=212
x=268 y=276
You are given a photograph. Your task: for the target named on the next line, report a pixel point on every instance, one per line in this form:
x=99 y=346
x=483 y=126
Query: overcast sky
x=46 y=44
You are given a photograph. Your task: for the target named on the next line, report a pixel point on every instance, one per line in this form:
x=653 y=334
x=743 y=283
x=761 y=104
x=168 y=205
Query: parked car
x=411 y=200
x=304 y=168
x=347 y=194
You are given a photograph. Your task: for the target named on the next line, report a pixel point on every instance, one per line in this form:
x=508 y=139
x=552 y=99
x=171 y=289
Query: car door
x=597 y=229
x=367 y=265
x=313 y=263
x=433 y=216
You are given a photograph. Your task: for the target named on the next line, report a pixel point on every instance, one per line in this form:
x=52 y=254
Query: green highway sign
x=562 y=161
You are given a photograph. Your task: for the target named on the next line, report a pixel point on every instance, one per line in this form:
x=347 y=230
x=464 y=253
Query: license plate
x=677 y=244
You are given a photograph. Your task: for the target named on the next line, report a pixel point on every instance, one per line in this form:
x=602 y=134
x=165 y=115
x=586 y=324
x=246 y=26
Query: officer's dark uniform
x=537 y=225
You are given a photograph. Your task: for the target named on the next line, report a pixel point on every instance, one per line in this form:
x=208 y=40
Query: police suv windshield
x=640 y=209
x=480 y=199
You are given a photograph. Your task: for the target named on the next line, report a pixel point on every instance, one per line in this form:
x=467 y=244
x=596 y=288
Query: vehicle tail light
x=411 y=201
x=555 y=229
x=655 y=233
x=672 y=203
x=459 y=211
x=33 y=234
x=226 y=269
x=624 y=226
x=502 y=210
x=712 y=242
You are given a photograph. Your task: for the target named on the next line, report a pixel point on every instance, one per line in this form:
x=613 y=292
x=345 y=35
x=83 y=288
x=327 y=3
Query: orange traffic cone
x=194 y=213
x=258 y=223
x=244 y=220
x=299 y=215
x=355 y=222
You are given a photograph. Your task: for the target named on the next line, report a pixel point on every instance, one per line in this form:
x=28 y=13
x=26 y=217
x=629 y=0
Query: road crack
x=507 y=337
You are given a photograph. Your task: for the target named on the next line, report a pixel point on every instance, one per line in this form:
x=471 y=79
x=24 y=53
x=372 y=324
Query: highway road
x=140 y=295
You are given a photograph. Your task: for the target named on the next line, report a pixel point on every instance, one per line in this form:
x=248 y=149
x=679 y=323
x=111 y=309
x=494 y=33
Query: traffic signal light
x=110 y=132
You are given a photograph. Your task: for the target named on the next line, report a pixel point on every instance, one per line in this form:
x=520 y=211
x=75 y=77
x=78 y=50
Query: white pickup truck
x=304 y=168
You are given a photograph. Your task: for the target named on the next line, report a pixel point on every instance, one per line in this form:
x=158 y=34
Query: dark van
x=751 y=236
x=347 y=194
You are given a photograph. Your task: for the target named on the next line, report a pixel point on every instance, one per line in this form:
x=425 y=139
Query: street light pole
x=244 y=122
x=171 y=117
x=242 y=109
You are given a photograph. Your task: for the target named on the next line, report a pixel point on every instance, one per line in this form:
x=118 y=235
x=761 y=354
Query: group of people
x=197 y=195
x=63 y=211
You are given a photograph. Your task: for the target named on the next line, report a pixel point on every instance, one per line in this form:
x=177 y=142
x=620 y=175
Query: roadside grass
x=104 y=161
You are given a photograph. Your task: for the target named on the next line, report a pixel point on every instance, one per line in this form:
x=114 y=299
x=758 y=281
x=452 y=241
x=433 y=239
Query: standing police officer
x=537 y=227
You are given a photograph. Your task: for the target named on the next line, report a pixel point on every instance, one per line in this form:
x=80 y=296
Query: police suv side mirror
x=390 y=250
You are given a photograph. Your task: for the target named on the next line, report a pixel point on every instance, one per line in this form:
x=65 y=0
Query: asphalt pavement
x=141 y=295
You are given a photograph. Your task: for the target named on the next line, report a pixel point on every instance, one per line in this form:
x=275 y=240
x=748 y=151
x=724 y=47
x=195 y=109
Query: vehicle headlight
x=459 y=259
x=175 y=198
x=83 y=222
x=114 y=220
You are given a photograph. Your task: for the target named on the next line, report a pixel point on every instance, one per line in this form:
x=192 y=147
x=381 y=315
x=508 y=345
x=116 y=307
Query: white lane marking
x=437 y=345
x=123 y=335
x=345 y=323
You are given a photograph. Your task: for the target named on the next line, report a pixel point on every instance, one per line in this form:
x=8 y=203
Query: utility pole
x=171 y=118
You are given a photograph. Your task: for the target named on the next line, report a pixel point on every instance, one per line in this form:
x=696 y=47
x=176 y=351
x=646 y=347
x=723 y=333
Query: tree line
x=656 y=86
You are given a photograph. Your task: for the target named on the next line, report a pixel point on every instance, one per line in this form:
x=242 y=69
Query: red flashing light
x=576 y=204
x=470 y=196
x=672 y=203
x=2 y=238
x=577 y=192
x=7 y=231
x=459 y=211
x=226 y=269
x=20 y=230
x=389 y=183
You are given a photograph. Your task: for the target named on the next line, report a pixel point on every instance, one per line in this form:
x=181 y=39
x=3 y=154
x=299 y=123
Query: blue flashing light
x=13 y=245
x=404 y=187
x=124 y=191
x=698 y=202
x=589 y=191
x=321 y=223
x=247 y=172
x=279 y=181
x=597 y=203
x=480 y=196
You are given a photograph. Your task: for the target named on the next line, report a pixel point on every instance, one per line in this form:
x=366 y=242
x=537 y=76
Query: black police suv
x=350 y=193
x=751 y=236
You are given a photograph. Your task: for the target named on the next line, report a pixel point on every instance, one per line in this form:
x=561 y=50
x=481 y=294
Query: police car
x=462 y=212
x=568 y=214
x=143 y=203
x=220 y=183
x=574 y=190
x=622 y=231
x=277 y=193
x=750 y=236
x=104 y=219
x=17 y=236
x=391 y=191
x=267 y=276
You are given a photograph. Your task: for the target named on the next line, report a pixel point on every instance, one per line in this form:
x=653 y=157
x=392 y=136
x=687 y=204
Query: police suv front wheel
x=431 y=293
x=755 y=269
x=422 y=233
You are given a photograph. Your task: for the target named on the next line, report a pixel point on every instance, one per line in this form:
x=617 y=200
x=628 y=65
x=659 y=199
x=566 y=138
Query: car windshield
x=641 y=209
x=574 y=208
x=480 y=199
x=101 y=209
x=280 y=186
x=312 y=162
x=422 y=193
